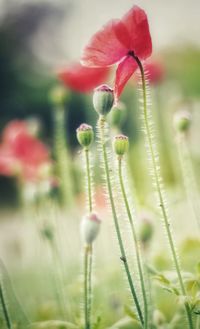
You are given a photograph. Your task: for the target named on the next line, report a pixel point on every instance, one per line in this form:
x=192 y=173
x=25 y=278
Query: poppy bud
x=84 y=134
x=120 y=144
x=182 y=120
x=90 y=226
x=117 y=114
x=103 y=99
x=58 y=95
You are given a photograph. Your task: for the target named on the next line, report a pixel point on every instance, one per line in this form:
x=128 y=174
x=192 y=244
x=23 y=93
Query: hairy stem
x=62 y=156
x=162 y=204
x=101 y=126
x=88 y=251
x=189 y=178
x=87 y=323
x=136 y=242
x=4 y=308
x=89 y=187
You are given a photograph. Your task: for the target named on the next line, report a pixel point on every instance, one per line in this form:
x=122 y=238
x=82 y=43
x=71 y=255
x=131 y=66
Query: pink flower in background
x=120 y=42
x=21 y=153
x=82 y=79
x=155 y=72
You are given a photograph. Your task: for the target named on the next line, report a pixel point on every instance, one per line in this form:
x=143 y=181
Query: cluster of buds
x=103 y=99
x=182 y=121
x=90 y=227
x=85 y=135
x=120 y=144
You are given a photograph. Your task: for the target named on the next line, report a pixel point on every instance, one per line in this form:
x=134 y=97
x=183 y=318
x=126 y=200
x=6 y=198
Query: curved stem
x=136 y=243
x=4 y=308
x=101 y=125
x=160 y=193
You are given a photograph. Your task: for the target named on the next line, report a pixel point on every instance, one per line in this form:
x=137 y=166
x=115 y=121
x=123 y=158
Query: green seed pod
x=90 y=227
x=58 y=95
x=117 y=115
x=121 y=144
x=85 y=134
x=182 y=120
x=103 y=99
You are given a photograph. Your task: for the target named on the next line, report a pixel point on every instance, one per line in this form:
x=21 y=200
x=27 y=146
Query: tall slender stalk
x=135 y=239
x=156 y=174
x=4 y=308
x=88 y=250
x=189 y=178
x=62 y=156
x=101 y=128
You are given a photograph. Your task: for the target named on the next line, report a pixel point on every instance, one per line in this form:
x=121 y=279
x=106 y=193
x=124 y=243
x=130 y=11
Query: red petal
x=83 y=79
x=137 y=25
x=124 y=71
x=107 y=46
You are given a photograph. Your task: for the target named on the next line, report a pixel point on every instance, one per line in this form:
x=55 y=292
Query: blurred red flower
x=21 y=153
x=82 y=79
x=155 y=72
x=120 y=41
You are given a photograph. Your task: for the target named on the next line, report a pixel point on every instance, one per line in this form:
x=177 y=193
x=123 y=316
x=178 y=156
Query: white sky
x=172 y=22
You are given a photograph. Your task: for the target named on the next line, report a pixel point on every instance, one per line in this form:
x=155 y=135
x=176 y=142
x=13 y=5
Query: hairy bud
x=90 y=227
x=121 y=144
x=103 y=99
x=85 y=135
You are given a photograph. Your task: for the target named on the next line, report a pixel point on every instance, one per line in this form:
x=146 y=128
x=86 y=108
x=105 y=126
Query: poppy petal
x=107 y=46
x=124 y=71
x=137 y=25
x=82 y=79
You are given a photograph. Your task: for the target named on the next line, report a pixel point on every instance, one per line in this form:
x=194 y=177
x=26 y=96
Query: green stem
x=136 y=243
x=101 y=125
x=90 y=285
x=5 y=311
x=88 y=252
x=189 y=178
x=87 y=287
x=62 y=156
x=160 y=193
x=88 y=179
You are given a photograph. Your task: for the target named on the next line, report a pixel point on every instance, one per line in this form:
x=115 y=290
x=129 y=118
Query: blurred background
x=37 y=39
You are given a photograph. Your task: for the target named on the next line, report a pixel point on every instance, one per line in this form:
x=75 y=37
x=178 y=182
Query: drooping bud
x=121 y=144
x=58 y=95
x=182 y=120
x=117 y=114
x=103 y=99
x=90 y=227
x=85 y=134
x=145 y=229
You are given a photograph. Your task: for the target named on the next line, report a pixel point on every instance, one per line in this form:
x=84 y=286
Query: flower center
x=131 y=53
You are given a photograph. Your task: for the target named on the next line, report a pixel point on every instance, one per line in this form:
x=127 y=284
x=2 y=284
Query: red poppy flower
x=82 y=79
x=13 y=129
x=155 y=72
x=120 y=41
x=22 y=153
